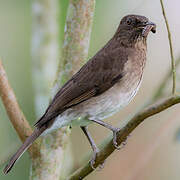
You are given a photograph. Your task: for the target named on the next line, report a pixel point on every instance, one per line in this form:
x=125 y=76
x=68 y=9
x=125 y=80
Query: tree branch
x=75 y=49
x=14 y=112
x=171 y=49
x=108 y=147
x=76 y=39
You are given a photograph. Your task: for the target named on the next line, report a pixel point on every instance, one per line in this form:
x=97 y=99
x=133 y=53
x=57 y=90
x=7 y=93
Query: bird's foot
x=93 y=160
x=94 y=156
x=115 y=131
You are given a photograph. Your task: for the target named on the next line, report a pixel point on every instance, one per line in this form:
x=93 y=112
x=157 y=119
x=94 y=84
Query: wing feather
x=96 y=76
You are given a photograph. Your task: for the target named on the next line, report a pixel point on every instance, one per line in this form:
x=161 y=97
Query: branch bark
x=76 y=39
x=108 y=147
x=14 y=112
x=75 y=47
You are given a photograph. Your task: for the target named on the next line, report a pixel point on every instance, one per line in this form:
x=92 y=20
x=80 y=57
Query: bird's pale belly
x=105 y=105
x=97 y=108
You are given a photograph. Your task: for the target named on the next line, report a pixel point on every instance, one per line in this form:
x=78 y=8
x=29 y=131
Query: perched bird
x=103 y=86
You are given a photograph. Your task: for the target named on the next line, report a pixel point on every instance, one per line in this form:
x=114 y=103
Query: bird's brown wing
x=96 y=76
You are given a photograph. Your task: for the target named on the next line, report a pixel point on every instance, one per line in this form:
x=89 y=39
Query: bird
x=103 y=86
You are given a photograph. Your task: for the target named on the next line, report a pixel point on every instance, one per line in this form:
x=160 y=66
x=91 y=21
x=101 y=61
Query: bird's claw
x=115 y=131
x=101 y=166
x=93 y=160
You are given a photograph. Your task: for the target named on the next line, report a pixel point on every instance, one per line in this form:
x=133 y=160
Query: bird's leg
x=93 y=145
x=113 y=129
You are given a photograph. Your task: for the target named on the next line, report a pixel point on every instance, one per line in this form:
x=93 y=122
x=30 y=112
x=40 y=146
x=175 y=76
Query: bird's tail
x=23 y=148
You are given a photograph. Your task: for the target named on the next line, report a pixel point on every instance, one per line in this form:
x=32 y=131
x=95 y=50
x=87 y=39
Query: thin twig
x=171 y=49
x=108 y=147
x=13 y=110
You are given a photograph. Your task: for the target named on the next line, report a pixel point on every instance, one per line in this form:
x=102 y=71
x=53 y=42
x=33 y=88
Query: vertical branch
x=77 y=33
x=171 y=48
x=76 y=39
x=74 y=53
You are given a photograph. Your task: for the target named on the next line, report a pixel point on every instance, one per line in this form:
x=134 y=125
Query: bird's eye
x=129 y=21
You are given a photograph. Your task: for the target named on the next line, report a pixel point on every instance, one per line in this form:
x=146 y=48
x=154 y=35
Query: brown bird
x=103 y=86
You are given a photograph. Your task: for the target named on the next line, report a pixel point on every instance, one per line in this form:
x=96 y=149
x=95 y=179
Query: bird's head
x=135 y=27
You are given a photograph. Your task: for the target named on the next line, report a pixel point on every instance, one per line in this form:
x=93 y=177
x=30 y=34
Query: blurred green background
x=153 y=150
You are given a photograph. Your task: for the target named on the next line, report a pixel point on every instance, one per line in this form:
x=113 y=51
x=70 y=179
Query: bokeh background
x=153 y=150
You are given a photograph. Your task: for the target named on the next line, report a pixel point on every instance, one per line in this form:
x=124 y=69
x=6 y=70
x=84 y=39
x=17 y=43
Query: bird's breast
x=110 y=102
x=118 y=96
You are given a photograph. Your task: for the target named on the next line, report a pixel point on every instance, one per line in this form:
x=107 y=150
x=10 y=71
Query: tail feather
x=22 y=149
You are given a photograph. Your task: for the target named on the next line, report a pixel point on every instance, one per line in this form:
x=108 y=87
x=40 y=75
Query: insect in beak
x=149 y=26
